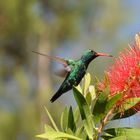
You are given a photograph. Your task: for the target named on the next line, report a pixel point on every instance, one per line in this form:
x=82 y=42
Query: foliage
x=27 y=25
x=89 y=119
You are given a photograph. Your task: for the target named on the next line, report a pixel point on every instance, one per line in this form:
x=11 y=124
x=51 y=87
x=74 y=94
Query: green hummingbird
x=74 y=70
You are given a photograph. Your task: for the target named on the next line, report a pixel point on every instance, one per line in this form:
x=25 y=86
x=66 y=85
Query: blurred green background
x=64 y=28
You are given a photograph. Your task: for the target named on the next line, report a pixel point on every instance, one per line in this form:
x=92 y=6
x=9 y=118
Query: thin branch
x=105 y=120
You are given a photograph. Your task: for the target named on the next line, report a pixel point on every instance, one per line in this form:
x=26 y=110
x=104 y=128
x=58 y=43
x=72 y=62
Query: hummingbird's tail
x=63 y=88
x=55 y=96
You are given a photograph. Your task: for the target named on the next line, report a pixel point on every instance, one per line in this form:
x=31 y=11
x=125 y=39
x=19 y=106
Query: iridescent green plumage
x=74 y=70
x=78 y=70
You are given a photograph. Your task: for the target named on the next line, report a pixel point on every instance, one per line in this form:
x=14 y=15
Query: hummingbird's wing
x=55 y=58
x=64 y=72
x=61 y=72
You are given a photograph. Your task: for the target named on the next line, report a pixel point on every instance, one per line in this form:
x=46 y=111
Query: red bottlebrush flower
x=124 y=75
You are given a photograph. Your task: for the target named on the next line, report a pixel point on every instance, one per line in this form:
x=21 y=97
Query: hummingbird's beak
x=103 y=54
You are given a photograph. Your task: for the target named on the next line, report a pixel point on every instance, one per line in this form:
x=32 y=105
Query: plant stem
x=105 y=120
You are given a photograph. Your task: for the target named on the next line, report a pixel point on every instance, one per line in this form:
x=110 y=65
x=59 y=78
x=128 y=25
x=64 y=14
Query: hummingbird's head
x=89 y=55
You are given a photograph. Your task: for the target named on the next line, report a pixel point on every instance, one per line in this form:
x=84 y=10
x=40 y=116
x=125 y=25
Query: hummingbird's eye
x=91 y=51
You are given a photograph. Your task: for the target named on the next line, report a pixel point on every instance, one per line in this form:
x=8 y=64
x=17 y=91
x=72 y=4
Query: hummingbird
x=74 y=70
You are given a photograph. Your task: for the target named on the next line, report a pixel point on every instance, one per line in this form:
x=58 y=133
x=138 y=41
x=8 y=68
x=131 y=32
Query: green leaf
x=111 y=102
x=103 y=105
x=129 y=103
x=48 y=128
x=115 y=138
x=88 y=98
x=128 y=108
x=92 y=91
x=119 y=138
x=64 y=119
x=106 y=137
x=76 y=115
x=69 y=131
x=128 y=133
x=85 y=112
x=56 y=135
x=125 y=114
x=51 y=119
x=100 y=106
x=111 y=131
x=79 y=131
x=71 y=122
x=86 y=83
x=79 y=88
